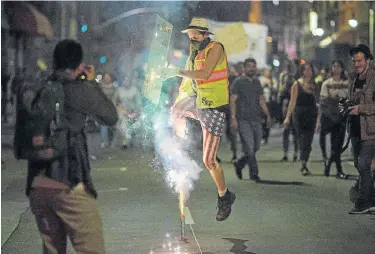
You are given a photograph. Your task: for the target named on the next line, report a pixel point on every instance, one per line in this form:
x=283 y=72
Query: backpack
x=41 y=133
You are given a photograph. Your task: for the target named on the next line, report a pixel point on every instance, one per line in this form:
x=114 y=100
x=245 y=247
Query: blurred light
x=99 y=78
x=156 y=34
x=332 y=23
x=177 y=53
x=324 y=43
x=269 y=39
x=353 y=23
x=276 y=2
x=318 y=32
x=302 y=61
x=313 y=20
x=310 y=1
x=276 y=63
x=103 y=59
x=84 y=28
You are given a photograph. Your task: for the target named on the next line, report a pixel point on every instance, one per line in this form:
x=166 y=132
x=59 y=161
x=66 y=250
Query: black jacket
x=82 y=98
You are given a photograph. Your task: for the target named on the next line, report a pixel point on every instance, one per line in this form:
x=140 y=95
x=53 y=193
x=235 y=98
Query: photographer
x=61 y=192
x=362 y=125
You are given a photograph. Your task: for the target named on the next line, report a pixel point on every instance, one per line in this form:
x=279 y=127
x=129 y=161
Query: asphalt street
x=285 y=213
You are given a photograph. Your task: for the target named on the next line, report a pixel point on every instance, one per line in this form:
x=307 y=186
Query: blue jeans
x=251 y=137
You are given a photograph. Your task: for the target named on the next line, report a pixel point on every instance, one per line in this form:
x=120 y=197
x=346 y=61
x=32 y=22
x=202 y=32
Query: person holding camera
x=330 y=120
x=362 y=125
x=61 y=191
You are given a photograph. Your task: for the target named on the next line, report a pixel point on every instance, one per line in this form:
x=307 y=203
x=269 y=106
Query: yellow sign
x=233 y=37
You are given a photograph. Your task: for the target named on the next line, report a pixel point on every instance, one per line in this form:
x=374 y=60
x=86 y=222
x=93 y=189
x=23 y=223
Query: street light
x=353 y=23
x=318 y=32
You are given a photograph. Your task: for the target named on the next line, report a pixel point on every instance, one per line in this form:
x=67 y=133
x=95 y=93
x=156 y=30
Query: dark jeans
x=337 y=134
x=251 y=135
x=364 y=152
x=286 y=133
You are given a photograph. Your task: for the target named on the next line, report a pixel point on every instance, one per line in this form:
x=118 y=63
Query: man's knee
x=210 y=163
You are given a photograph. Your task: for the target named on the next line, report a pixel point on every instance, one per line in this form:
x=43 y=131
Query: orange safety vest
x=213 y=92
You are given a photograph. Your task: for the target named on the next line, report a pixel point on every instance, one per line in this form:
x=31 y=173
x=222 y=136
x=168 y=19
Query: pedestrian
x=204 y=95
x=362 y=125
x=61 y=191
x=288 y=78
x=269 y=85
x=248 y=108
x=303 y=107
x=106 y=133
x=330 y=121
x=128 y=102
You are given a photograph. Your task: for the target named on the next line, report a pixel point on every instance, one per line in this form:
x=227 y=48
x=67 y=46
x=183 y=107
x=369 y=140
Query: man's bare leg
x=210 y=148
x=226 y=198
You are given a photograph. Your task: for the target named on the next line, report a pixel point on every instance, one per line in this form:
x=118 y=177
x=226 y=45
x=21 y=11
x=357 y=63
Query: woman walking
x=330 y=120
x=304 y=110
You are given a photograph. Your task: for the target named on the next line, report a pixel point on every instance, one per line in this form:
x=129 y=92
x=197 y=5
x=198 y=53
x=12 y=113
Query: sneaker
x=255 y=178
x=305 y=171
x=224 y=205
x=341 y=176
x=360 y=210
x=284 y=159
x=238 y=170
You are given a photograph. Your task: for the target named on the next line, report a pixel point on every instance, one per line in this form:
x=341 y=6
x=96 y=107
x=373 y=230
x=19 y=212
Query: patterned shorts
x=212 y=120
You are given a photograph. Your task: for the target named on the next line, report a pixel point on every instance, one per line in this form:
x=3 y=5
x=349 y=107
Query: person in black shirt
x=362 y=126
x=304 y=110
x=62 y=194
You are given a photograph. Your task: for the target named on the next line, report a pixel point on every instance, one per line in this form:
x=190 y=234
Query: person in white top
x=128 y=102
x=330 y=121
x=269 y=85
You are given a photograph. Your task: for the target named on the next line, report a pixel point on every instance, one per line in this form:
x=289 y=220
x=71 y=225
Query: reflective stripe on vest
x=218 y=74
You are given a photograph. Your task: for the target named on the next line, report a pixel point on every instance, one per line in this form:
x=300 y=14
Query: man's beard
x=195 y=45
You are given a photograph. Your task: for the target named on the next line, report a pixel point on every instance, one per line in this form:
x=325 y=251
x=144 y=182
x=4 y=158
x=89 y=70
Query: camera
x=345 y=103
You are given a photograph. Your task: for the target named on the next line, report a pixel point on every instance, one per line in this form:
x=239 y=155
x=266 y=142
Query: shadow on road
x=272 y=182
x=350 y=177
x=239 y=246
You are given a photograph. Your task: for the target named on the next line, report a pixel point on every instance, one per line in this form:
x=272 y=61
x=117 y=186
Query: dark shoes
x=238 y=170
x=234 y=158
x=224 y=205
x=255 y=178
x=341 y=176
x=360 y=210
x=285 y=158
x=305 y=171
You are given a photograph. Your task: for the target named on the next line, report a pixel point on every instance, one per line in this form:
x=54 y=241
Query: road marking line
x=188 y=218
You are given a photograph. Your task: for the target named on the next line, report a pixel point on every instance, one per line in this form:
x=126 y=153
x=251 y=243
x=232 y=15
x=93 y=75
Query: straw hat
x=199 y=24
